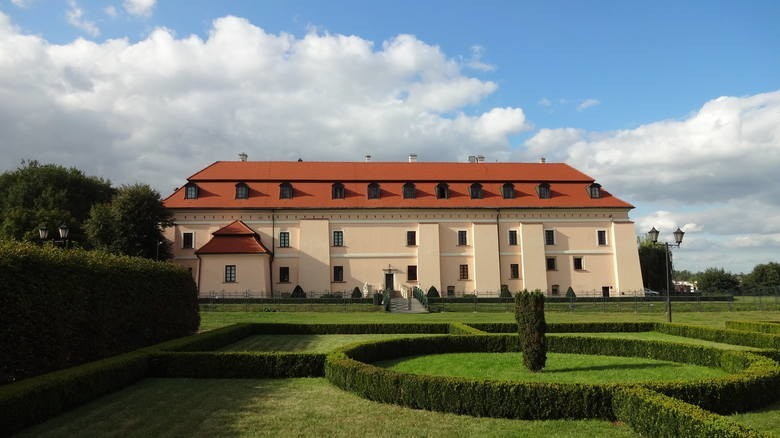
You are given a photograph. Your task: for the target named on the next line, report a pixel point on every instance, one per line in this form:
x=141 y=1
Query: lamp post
x=678 y=237
x=63 y=230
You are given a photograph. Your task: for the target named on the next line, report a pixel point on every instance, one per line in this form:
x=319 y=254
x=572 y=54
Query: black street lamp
x=678 y=237
x=63 y=230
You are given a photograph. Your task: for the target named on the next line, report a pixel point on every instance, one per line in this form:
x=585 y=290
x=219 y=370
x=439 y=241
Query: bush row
x=584 y=299
x=285 y=300
x=652 y=414
x=726 y=336
x=237 y=365
x=584 y=327
x=59 y=308
x=770 y=327
x=373 y=328
x=458 y=328
x=755 y=382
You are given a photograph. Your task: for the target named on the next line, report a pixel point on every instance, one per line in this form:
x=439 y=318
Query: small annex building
x=263 y=227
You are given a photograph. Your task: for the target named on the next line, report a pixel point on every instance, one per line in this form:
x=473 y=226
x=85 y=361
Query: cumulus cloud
x=587 y=103
x=159 y=109
x=75 y=16
x=139 y=7
x=475 y=61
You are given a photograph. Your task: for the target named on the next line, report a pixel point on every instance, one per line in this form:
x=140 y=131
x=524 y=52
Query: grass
x=766 y=420
x=656 y=336
x=306 y=343
x=283 y=407
x=560 y=368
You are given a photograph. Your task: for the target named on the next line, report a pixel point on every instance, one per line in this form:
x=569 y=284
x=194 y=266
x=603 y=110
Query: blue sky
x=673 y=106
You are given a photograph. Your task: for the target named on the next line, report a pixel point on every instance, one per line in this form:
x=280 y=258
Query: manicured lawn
x=307 y=343
x=560 y=368
x=766 y=420
x=655 y=336
x=281 y=407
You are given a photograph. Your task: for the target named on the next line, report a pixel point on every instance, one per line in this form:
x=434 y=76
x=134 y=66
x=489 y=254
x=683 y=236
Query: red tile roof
x=312 y=182
x=235 y=238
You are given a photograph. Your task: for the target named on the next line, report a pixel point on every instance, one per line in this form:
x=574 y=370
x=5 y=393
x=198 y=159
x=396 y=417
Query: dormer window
x=373 y=191
x=442 y=191
x=191 y=191
x=476 y=191
x=242 y=191
x=508 y=190
x=544 y=191
x=594 y=190
x=337 y=191
x=410 y=191
x=285 y=190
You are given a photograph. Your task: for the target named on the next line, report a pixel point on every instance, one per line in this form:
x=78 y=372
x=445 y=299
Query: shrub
x=60 y=308
x=570 y=293
x=726 y=336
x=298 y=292
x=505 y=292
x=433 y=292
x=570 y=327
x=769 y=327
x=529 y=313
x=357 y=293
x=236 y=365
x=458 y=328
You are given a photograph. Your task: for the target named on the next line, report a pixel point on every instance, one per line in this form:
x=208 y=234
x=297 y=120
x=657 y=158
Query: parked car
x=651 y=293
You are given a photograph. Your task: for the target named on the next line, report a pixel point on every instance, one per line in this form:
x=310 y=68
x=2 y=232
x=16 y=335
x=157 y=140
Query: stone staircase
x=401 y=305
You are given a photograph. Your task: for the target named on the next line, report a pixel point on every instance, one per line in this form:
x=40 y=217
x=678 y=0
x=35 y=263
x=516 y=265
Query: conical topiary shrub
x=357 y=293
x=531 y=327
x=298 y=292
x=433 y=292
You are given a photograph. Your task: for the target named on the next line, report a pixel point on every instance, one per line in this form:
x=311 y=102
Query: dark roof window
x=285 y=190
x=476 y=191
x=337 y=191
x=508 y=190
x=373 y=191
x=544 y=191
x=191 y=191
x=410 y=191
x=242 y=191
x=594 y=190
x=442 y=191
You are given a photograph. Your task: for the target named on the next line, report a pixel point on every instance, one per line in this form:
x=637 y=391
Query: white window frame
x=289 y=242
x=554 y=237
x=606 y=238
x=182 y=239
x=333 y=238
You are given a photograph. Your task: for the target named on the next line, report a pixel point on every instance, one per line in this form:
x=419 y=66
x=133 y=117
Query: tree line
x=125 y=220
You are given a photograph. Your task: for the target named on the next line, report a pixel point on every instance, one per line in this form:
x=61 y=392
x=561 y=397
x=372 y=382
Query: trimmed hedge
x=236 y=365
x=458 y=328
x=769 y=327
x=60 y=308
x=726 y=336
x=652 y=414
x=324 y=329
x=566 y=327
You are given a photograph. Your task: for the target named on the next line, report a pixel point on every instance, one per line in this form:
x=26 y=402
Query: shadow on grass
x=626 y=366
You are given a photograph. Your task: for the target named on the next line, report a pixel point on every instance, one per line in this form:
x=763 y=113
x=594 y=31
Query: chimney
x=367 y=158
x=472 y=159
x=480 y=158
x=242 y=156
x=412 y=158
x=542 y=160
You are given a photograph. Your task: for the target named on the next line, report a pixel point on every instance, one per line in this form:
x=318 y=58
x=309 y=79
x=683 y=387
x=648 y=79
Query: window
x=410 y=191
x=551 y=264
x=442 y=191
x=508 y=190
x=191 y=191
x=514 y=270
x=337 y=191
x=544 y=191
x=513 y=237
x=188 y=240
x=242 y=191
x=450 y=291
x=285 y=190
x=476 y=191
x=411 y=273
x=373 y=191
x=411 y=238
x=462 y=238
x=602 y=237
x=338 y=238
x=549 y=237
x=556 y=289
x=578 y=263
x=594 y=190
x=464 y=272
x=284 y=239
x=230 y=273
x=284 y=274
x=338 y=274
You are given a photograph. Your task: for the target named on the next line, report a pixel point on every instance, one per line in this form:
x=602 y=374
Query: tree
x=763 y=277
x=717 y=280
x=131 y=224
x=48 y=194
x=652 y=262
x=531 y=327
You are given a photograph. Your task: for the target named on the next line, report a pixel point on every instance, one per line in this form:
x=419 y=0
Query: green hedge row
x=755 y=382
x=281 y=300
x=236 y=365
x=458 y=328
x=566 y=327
x=652 y=414
x=60 y=308
x=770 y=327
x=374 y=328
x=726 y=336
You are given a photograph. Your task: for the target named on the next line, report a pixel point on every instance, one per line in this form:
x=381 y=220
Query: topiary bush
x=570 y=293
x=298 y=292
x=531 y=327
x=505 y=292
x=433 y=292
x=357 y=293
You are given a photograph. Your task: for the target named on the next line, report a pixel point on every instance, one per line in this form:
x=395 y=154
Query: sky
x=672 y=106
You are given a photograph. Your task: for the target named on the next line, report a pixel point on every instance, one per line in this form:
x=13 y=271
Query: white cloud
x=111 y=11
x=475 y=61
x=139 y=7
x=21 y=3
x=587 y=103
x=75 y=16
x=545 y=102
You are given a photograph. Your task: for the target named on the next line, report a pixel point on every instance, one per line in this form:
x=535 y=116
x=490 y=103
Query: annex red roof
x=312 y=184
x=235 y=238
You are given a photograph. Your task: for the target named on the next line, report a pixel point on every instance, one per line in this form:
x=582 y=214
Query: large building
x=265 y=227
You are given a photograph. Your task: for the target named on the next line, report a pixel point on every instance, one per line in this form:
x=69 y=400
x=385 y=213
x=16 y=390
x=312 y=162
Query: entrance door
x=605 y=291
x=389 y=282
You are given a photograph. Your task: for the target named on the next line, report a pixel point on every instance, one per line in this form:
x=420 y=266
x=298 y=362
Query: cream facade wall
x=375 y=245
x=252 y=273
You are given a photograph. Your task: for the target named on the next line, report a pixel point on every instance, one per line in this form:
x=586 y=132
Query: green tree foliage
x=48 y=194
x=652 y=262
x=531 y=327
x=131 y=223
x=765 y=276
x=717 y=280
x=685 y=275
